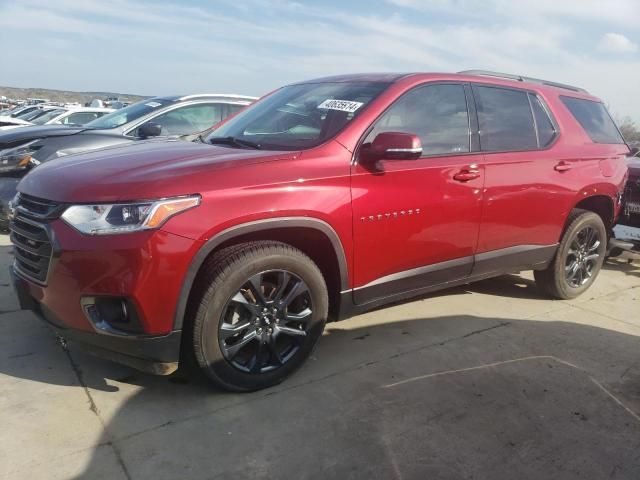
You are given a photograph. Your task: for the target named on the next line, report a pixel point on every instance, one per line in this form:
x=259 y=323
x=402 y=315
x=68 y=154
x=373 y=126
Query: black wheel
x=261 y=308
x=579 y=257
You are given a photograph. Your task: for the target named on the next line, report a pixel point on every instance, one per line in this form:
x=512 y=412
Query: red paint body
x=517 y=199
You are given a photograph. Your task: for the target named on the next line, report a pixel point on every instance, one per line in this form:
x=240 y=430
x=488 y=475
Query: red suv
x=322 y=200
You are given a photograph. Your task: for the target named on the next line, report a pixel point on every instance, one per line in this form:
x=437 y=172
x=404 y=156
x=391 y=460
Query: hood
x=9 y=121
x=17 y=136
x=140 y=170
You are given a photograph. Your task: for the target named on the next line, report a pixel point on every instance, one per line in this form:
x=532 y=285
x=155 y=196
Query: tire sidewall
x=216 y=364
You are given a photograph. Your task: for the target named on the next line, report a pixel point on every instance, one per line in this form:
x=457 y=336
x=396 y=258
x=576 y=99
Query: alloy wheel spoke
x=275 y=355
x=594 y=247
x=572 y=269
x=241 y=300
x=295 y=332
x=297 y=289
x=255 y=285
x=232 y=350
x=592 y=258
x=284 y=282
x=258 y=359
x=303 y=316
x=228 y=330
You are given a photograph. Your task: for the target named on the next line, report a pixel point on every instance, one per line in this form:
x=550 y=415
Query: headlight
x=126 y=217
x=17 y=157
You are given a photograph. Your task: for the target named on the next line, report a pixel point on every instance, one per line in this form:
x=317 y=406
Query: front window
x=128 y=114
x=299 y=116
x=189 y=119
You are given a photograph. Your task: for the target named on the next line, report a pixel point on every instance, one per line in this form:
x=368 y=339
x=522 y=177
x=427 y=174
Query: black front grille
x=30 y=235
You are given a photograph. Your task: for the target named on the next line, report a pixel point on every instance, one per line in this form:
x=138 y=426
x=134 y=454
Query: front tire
x=261 y=307
x=579 y=258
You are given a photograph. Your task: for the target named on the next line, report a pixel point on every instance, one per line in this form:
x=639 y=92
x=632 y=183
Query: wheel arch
x=315 y=237
x=602 y=205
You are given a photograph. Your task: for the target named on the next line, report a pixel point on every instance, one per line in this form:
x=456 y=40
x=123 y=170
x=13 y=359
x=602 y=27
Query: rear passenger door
x=524 y=195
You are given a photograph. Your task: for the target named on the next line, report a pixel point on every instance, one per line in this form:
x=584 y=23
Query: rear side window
x=505 y=119
x=594 y=118
x=546 y=129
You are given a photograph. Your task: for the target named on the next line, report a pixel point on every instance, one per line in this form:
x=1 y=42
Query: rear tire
x=579 y=258
x=259 y=310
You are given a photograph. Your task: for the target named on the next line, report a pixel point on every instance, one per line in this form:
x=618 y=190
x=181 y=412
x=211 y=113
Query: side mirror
x=149 y=129
x=393 y=146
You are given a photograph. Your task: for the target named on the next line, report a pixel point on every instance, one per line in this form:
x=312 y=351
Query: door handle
x=562 y=166
x=466 y=175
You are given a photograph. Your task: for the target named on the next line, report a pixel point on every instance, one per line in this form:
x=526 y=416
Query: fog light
x=112 y=315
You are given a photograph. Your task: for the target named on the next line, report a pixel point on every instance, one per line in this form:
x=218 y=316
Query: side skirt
x=420 y=281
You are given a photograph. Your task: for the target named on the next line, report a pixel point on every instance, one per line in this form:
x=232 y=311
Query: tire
x=575 y=266
x=258 y=308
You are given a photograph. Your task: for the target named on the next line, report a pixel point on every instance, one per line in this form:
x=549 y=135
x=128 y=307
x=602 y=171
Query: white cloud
x=166 y=47
x=616 y=43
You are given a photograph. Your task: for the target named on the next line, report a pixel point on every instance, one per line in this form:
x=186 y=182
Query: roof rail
x=520 y=78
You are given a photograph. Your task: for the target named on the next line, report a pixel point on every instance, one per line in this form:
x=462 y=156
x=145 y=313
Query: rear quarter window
x=594 y=118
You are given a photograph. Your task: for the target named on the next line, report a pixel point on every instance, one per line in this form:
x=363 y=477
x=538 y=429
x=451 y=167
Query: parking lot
x=488 y=381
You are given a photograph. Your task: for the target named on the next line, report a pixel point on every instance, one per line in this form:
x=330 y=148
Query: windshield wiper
x=235 y=141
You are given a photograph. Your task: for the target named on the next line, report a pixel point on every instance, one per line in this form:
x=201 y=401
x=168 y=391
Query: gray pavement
x=490 y=381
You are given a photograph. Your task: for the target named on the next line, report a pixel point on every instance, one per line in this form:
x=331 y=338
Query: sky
x=253 y=46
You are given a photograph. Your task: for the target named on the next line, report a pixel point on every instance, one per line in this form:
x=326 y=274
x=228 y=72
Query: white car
x=55 y=116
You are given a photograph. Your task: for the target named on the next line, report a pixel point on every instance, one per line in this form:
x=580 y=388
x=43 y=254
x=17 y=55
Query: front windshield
x=128 y=114
x=42 y=119
x=298 y=116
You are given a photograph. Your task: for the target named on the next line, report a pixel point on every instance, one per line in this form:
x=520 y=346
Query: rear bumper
x=627 y=238
x=157 y=354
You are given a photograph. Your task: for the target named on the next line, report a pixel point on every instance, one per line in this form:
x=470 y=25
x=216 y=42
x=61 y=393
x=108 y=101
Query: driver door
x=416 y=221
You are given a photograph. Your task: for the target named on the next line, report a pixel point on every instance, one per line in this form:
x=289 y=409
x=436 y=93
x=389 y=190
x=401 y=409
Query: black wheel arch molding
x=257 y=226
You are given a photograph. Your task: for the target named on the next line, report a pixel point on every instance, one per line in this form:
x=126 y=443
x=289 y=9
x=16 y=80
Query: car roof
x=480 y=76
x=230 y=97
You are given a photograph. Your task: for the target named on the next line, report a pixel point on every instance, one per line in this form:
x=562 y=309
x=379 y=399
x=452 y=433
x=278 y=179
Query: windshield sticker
x=153 y=104
x=341 y=105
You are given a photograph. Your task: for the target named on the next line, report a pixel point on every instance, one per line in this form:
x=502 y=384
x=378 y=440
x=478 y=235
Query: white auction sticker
x=342 y=105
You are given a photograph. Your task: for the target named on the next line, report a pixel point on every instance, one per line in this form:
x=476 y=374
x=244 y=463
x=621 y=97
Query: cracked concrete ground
x=490 y=381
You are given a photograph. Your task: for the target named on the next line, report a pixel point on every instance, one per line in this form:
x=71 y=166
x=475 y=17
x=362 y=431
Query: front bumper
x=143 y=269
x=154 y=354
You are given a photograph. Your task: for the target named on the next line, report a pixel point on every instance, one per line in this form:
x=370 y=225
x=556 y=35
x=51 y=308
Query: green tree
x=629 y=130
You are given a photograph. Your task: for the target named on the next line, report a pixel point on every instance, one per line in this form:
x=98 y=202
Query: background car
x=176 y=116
x=627 y=231
x=56 y=116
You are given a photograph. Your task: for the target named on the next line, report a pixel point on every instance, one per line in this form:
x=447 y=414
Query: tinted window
x=546 y=130
x=300 y=116
x=81 y=118
x=436 y=113
x=505 y=119
x=129 y=114
x=595 y=120
x=189 y=119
